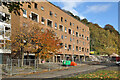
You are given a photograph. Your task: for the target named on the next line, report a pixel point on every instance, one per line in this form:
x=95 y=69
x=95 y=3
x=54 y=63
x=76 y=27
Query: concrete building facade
x=5 y=32
x=75 y=36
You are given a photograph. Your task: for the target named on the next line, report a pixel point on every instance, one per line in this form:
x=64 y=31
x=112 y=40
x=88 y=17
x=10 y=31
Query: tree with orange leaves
x=34 y=40
x=46 y=43
x=21 y=42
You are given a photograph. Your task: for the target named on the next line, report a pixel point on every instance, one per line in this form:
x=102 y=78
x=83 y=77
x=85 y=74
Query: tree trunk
x=22 y=60
x=39 y=60
x=53 y=57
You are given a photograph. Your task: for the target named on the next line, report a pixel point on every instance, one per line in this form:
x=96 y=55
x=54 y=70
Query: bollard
x=60 y=66
x=35 y=66
x=18 y=63
x=29 y=62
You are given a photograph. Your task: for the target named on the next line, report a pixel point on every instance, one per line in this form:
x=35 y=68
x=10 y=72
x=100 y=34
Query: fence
x=13 y=66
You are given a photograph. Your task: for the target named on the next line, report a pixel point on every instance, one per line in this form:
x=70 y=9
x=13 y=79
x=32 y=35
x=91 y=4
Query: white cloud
x=97 y=8
x=70 y=6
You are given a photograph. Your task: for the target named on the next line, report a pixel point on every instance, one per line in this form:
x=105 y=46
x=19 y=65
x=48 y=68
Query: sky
x=101 y=13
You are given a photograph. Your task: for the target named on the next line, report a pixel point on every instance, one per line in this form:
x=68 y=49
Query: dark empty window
x=60 y=27
x=65 y=46
x=79 y=35
x=70 y=23
x=87 y=38
x=65 y=20
x=42 y=19
x=83 y=30
x=76 y=34
x=76 y=48
x=69 y=31
x=51 y=13
x=49 y=23
x=34 y=17
x=61 y=19
x=82 y=49
x=69 y=47
x=35 y=5
x=87 y=50
x=77 y=27
x=77 y=41
x=83 y=36
x=7 y=28
x=61 y=45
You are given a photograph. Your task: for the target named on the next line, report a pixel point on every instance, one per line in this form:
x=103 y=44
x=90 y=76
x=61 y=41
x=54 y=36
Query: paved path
x=57 y=74
x=0 y=71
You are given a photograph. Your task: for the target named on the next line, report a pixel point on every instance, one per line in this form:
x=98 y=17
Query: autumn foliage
x=46 y=42
x=41 y=42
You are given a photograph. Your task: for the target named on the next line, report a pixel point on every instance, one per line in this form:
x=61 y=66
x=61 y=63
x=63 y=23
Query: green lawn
x=101 y=74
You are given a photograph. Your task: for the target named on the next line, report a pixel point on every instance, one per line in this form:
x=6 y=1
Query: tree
x=15 y=6
x=46 y=43
x=21 y=42
x=110 y=28
x=85 y=21
x=34 y=40
x=77 y=17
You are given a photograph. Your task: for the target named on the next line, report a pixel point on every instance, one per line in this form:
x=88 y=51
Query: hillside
x=102 y=40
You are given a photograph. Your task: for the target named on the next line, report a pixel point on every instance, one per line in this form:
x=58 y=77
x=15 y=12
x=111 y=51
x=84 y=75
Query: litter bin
x=73 y=64
x=66 y=62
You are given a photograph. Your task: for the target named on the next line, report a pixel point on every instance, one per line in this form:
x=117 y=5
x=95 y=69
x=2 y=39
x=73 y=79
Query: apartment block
x=5 y=33
x=5 y=30
x=75 y=36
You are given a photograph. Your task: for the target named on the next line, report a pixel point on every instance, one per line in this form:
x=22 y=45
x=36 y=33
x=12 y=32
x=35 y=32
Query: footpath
x=62 y=73
x=0 y=71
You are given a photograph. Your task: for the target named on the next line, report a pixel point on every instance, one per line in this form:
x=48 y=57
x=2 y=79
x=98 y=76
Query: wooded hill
x=102 y=40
